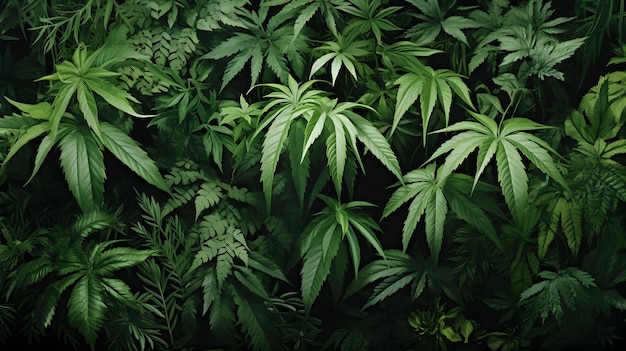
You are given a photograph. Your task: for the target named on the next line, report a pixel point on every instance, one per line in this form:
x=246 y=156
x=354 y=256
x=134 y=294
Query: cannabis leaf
x=556 y=292
x=326 y=118
x=343 y=125
x=598 y=117
x=396 y=271
x=82 y=141
x=505 y=142
x=334 y=227
x=434 y=20
x=307 y=9
x=259 y=46
x=430 y=86
x=369 y=17
x=86 y=305
x=526 y=34
x=345 y=51
x=543 y=53
x=87 y=270
x=287 y=104
x=432 y=191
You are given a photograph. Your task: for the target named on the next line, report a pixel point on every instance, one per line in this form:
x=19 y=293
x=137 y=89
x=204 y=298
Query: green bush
x=312 y=174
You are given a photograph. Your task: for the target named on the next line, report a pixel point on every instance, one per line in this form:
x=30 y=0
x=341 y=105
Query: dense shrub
x=312 y=174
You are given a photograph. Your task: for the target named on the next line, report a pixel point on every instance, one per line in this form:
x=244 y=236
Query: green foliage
x=431 y=190
x=430 y=86
x=334 y=121
x=343 y=52
x=441 y=327
x=370 y=16
x=307 y=9
x=557 y=292
x=333 y=230
x=259 y=46
x=527 y=38
x=337 y=174
x=81 y=141
x=505 y=142
x=398 y=270
x=81 y=270
x=434 y=20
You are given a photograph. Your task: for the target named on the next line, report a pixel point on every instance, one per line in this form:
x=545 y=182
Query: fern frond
x=207 y=196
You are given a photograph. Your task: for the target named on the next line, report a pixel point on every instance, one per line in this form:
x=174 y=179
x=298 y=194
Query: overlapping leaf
x=431 y=87
x=505 y=141
x=338 y=224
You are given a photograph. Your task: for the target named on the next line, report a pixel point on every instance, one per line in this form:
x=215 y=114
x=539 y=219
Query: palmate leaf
x=323 y=241
x=83 y=166
x=434 y=20
x=343 y=124
x=542 y=52
x=505 y=142
x=395 y=272
x=81 y=77
x=595 y=118
x=345 y=51
x=430 y=86
x=288 y=103
x=558 y=291
x=81 y=156
x=89 y=273
x=336 y=122
x=425 y=188
x=125 y=149
x=370 y=17
x=260 y=45
x=238 y=46
x=307 y=9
